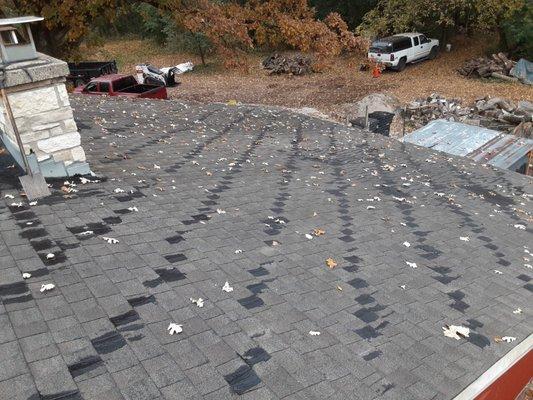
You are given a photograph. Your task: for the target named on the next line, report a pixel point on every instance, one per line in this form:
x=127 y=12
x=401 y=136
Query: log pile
x=296 y=64
x=497 y=66
x=493 y=113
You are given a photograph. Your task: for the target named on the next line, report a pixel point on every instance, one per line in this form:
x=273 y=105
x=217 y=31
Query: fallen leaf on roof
x=308 y=236
x=331 y=263
x=520 y=226
x=9 y=196
x=517 y=311
x=407 y=244
x=133 y=209
x=314 y=333
x=238 y=251
x=110 y=240
x=26 y=275
x=370 y=208
x=339 y=288
x=84 y=181
x=464 y=238
x=119 y=190
x=220 y=211
x=411 y=264
x=403 y=287
x=86 y=233
x=507 y=339
x=174 y=328
x=227 y=288
x=208 y=173
x=498 y=272
x=17 y=204
x=456 y=332
x=45 y=287
x=156 y=166
x=199 y=301
x=275 y=243
x=50 y=256
x=318 y=232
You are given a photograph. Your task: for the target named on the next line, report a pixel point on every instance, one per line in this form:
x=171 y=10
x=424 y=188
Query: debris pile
x=296 y=64
x=493 y=113
x=497 y=66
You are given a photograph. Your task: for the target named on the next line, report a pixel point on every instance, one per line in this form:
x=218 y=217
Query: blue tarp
x=523 y=70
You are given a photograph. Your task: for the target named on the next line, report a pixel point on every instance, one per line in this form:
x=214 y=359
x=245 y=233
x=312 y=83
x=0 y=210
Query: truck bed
x=138 y=89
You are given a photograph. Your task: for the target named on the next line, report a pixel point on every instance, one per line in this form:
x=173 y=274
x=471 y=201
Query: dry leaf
x=318 y=232
x=47 y=286
x=507 y=339
x=174 y=328
x=227 y=288
x=456 y=332
x=331 y=263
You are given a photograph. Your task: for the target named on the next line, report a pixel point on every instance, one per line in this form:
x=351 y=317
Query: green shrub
x=517 y=33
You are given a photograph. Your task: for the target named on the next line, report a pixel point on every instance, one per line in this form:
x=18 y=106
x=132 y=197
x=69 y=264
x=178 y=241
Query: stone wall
x=47 y=128
x=46 y=124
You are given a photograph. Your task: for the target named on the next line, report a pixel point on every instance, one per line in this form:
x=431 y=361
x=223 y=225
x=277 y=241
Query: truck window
x=402 y=44
x=381 y=47
x=104 y=87
x=415 y=39
x=91 y=87
x=124 y=83
x=423 y=39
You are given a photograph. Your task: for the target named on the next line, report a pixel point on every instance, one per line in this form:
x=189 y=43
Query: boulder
x=376 y=102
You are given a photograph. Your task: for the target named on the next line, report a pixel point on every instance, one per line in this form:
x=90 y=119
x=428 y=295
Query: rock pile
x=498 y=66
x=493 y=113
x=296 y=64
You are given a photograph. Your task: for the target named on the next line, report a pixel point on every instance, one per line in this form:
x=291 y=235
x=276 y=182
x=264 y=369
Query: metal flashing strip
x=497 y=370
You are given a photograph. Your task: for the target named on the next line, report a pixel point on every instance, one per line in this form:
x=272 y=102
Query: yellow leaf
x=331 y=263
x=318 y=232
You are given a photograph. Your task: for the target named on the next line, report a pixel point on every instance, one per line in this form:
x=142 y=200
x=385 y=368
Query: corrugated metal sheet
x=480 y=144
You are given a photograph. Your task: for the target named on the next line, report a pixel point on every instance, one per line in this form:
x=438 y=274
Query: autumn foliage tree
x=66 y=23
x=437 y=17
x=234 y=28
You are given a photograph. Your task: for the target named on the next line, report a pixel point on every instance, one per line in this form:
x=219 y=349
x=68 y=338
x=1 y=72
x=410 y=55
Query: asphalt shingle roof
x=274 y=177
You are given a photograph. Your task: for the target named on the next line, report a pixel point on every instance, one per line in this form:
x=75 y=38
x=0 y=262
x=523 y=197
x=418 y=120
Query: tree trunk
x=201 y=51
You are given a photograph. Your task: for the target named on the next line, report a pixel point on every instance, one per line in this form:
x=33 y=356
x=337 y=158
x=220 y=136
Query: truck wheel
x=433 y=53
x=401 y=64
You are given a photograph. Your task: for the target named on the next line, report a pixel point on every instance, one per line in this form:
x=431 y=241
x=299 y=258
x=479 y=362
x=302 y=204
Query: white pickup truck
x=396 y=51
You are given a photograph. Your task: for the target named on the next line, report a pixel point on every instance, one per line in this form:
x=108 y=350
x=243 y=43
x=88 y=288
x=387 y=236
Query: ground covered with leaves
x=341 y=83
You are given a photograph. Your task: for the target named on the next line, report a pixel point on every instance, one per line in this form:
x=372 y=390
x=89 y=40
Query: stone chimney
x=41 y=107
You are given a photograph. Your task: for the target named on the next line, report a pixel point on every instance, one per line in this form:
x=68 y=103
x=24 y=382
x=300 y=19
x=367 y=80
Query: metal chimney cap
x=19 y=20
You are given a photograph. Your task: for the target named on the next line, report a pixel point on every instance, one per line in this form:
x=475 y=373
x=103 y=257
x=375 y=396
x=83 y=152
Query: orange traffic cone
x=376 y=71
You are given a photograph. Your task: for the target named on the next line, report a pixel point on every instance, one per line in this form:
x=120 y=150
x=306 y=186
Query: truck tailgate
x=379 y=57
